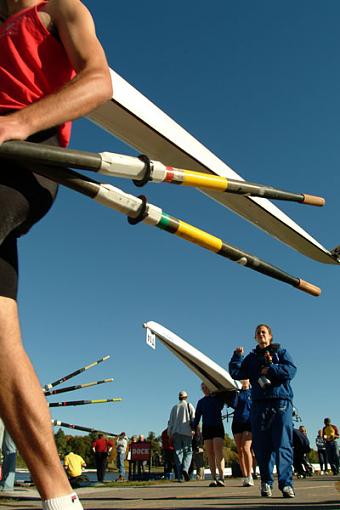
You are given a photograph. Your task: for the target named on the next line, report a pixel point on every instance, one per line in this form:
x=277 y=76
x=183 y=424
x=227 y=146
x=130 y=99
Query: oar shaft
x=131 y=206
x=76 y=387
x=58 y=423
x=118 y=165
x=47 y=387
x=84 y=402
x=212 y=243
x=218 y=183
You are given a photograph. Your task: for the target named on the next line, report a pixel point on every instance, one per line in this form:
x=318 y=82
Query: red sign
x=141 y=450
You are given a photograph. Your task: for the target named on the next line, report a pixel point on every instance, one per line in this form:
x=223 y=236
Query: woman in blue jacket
x=209 y=408
x=241 y=429
x=270 y=370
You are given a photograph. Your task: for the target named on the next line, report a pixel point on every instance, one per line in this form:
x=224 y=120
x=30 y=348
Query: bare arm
x=90 y=87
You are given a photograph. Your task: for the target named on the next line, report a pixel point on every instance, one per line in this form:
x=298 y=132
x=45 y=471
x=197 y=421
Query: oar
x=77 y=387
x=47 y=387
x=84 y=402
x=57 y=423
x=142 y=170
x=139 y=210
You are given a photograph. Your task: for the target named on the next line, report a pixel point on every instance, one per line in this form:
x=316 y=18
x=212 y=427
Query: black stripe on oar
x=260 y=190
x=248 y=260
x=57 y=423
x=40 y=153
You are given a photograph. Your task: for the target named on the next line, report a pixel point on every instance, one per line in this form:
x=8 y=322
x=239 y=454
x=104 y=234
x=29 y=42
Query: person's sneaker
x=220 y=483
x=288 y=492
x=185 y=476
x=213 y=483
x=248 y=481
x=266 y=490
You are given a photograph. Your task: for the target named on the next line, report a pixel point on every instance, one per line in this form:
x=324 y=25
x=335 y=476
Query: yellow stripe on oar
x=200 y=179
x=198 y=236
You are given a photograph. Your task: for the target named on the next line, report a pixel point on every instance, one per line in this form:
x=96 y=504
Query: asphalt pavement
x=317 y=493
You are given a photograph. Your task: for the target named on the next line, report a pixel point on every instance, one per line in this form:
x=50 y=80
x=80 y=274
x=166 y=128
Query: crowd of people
x=262 y=424
x=262 y=428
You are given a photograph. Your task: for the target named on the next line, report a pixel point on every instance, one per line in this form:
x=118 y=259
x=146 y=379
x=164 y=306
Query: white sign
x=150 y=338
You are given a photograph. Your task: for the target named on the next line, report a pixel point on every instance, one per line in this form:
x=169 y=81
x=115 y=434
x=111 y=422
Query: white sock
x=69 y=502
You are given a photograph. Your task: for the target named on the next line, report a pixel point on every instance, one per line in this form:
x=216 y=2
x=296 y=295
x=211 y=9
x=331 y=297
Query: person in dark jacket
x=209 y=409
x=270 y=369
x=302 y=466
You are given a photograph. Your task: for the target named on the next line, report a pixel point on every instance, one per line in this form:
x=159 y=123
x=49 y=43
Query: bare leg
x=247 y=455
x=209 y=448
x=243 y=442
x=24 y=409
x=238 y=441
x=218 y=443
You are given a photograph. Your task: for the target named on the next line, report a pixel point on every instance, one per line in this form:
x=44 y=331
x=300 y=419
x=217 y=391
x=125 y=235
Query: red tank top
x=33 y=64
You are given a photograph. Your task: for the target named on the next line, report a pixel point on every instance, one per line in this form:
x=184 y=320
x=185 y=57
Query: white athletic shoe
x=288 y=492
x=266 y=490
x=248 y=481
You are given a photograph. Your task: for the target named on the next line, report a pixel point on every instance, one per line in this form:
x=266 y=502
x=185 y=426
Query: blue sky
x=258 y=84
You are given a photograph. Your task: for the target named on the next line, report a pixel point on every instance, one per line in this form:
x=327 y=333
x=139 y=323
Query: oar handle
x=313 y=200
x=309 y=288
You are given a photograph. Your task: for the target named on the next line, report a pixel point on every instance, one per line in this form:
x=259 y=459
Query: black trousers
x=101 y=465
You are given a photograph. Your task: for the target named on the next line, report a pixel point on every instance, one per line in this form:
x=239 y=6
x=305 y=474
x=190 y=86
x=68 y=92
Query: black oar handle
x=40 y=153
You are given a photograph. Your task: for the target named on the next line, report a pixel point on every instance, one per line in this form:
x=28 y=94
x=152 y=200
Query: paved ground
x=315 y=493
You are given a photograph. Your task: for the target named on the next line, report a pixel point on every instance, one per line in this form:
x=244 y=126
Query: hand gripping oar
x=84 y=402
x=57 y=423
x=47 y=387
x=137 y=209
x=76 y=387
x=142 y=170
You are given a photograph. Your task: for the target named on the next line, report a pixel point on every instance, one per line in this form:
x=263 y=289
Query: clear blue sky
x=258 y=84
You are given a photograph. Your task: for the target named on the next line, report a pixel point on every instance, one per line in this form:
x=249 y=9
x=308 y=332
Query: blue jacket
x=242 y=405
x=280 y=372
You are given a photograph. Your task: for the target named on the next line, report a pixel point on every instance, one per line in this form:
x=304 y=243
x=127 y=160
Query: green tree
x=61 y=442
x=155 y=448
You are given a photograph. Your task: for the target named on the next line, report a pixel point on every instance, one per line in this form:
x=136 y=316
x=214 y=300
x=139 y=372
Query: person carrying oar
x=52 y=70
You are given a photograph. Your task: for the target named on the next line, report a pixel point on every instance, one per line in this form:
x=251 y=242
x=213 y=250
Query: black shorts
x=238 y=427
x=25 y=198
x=212 y=432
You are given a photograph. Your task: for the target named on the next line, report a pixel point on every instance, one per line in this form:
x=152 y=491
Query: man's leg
x=187 y=453
x=122 y=464
x=24 y=410
x=177 y=438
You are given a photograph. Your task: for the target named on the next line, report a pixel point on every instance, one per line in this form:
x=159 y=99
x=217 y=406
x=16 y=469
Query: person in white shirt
x=180 y=428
